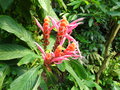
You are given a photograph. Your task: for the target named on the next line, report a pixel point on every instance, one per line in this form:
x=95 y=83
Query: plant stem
x=106 y=53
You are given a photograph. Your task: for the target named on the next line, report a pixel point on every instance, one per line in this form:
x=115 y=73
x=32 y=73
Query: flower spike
x=59 y=53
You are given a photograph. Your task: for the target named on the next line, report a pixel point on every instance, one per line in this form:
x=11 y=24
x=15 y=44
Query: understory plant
x=48 y=69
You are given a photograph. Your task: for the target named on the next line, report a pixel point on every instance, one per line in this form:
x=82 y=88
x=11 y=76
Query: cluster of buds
x=46 y=29
x=59 y=53
x=61 y=32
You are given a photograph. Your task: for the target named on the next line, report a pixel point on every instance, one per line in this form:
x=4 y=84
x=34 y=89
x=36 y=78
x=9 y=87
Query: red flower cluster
x=61 y=32
x=46 y=32
x=64 y=29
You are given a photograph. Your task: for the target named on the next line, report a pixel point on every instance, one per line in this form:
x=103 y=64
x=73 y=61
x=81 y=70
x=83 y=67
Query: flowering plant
x=64 y=30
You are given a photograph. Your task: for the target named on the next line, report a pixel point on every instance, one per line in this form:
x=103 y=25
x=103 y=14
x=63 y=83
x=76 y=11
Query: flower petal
x=54 y=22
x=40 y=48
x=58 y=62
x=62 y=41
x=70 y=38
x=80 y=19
x=72 y=26
x=61 y=58
x=78 y=50
x=51 y=28
x=38 y=24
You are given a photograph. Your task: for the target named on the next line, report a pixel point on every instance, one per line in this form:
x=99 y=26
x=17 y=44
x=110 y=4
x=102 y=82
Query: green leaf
x=91 y=84
x=43 y=84
x=52 y=79
x=61 y=67
x=46 y=5
x=73 y=3
x=28 y=58
x=90 y=22
x=72 y=17
x=5 y=4
x=79 y=69
x=61 y=3
x=25 y=81
x=81 y=38
x=12 y=51
x=52 y=41
x=9 y=25
x=74 y=88
x=114 y=13
x=86 y=2
x=40 y=82
x=71 y=71
x=118 y=21
x=76 y=6
x=4 y=70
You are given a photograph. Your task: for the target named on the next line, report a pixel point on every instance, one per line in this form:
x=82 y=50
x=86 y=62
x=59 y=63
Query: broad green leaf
x=90 y=22
x=5 y=4
x=28 y=58
x=79 y=69
x=40 y=82
x=92 y=84
x=46 y=5
x=43 y=84
x=25 y=81
x=18 y=70
x=71 y=71
x=114 y=13
x=12 y=51
x=4 y=70
x=11 y=26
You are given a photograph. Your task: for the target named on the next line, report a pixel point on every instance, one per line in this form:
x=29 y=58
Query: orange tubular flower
x=58 y=51
x=61 y=32
x=46 y=33
x=70 y=47
x=46 y=29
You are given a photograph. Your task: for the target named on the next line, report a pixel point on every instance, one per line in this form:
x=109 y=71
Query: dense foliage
x=21 y=63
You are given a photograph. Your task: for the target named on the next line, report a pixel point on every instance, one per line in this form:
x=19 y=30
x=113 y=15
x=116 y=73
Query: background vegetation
x=21 y=67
